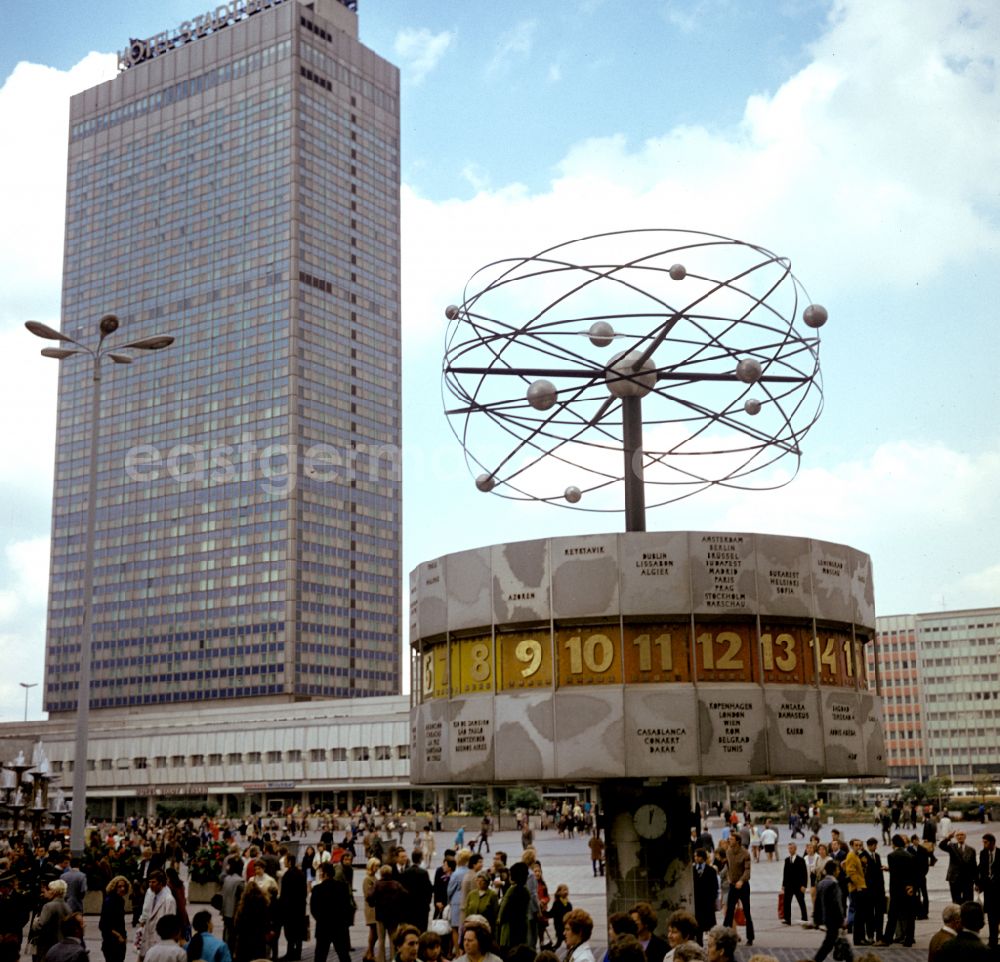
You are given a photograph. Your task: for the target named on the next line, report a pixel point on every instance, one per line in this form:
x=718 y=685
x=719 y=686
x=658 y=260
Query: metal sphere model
x=560 y=362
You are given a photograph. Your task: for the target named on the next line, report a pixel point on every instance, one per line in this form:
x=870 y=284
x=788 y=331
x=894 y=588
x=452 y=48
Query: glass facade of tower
x=239 y=191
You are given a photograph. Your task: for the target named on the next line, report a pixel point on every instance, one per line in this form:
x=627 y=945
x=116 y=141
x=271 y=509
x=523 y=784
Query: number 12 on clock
x=723 y=652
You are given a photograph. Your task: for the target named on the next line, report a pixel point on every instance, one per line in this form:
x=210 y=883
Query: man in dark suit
x=989 y=884
x=962 y=867
x=706 y=891
x=902 y=893
x=922 y=860
x=829 y=908
x=331 y=906
x=292 y=903
x=706 y=841
x=929 y=831
x=417 y=882
x=876 y=889
x=794 y=881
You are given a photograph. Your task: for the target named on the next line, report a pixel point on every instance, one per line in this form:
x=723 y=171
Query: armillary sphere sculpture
x=559 y=360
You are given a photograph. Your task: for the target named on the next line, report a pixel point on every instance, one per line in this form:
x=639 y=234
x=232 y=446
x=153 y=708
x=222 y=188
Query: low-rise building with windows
x=940 y=679
x=238 y=758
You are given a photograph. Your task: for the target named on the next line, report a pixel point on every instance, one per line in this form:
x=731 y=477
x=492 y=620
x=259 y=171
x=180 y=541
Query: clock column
x=648 y=844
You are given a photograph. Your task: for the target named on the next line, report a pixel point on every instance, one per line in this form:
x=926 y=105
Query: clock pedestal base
x=648 y=845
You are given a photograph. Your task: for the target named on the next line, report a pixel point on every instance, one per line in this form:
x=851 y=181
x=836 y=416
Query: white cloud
x=420 y=51
x=978 y=589
x=28 y=562
x=900 y=480
x=29 y=388
x=34 y=102
x=8 y=605
x=685 y=17
x=477 y=176
x=862 y=163
x=514 y=44
x=24 y=569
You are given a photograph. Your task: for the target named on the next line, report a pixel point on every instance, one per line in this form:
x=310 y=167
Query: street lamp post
x=26 y=685
x=107 y=326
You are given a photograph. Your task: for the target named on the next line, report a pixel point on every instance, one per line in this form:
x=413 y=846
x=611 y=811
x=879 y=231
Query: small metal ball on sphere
x=486 y=482
x=815 y=315
x=572 y=494
x=541 y=394
x=749 y=370
x=678 y=272
x=601 y=333
x=451 y=312
x=752 y=406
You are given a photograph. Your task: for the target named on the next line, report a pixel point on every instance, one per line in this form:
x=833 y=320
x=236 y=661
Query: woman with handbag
x=114 y=934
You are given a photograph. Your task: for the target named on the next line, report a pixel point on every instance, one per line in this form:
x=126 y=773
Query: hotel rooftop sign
x=208 y=22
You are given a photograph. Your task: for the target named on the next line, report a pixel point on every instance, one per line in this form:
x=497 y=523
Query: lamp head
x=109 y=324
x=43 y=330
x=155 y=343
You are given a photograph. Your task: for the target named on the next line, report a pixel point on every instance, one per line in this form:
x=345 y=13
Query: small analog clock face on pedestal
x=650 y=821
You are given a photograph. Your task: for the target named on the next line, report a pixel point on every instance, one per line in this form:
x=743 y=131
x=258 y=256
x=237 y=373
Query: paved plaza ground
x=566 y=860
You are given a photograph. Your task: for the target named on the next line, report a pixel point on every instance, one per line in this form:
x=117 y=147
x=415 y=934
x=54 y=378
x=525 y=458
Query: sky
x=859 y=139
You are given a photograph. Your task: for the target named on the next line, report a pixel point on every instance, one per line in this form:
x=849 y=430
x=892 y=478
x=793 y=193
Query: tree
x=984 y=785
x=479 y=806
x=526 y=798
x=762 y=800
x=800 y=796
x=939 y=788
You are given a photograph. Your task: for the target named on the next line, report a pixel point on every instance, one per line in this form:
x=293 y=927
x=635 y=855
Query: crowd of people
x=269 y=889
x=464 y=906
x=844 y=886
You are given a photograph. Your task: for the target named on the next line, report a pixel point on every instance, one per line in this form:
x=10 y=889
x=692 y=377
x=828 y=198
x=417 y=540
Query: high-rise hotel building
x=235 y=186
